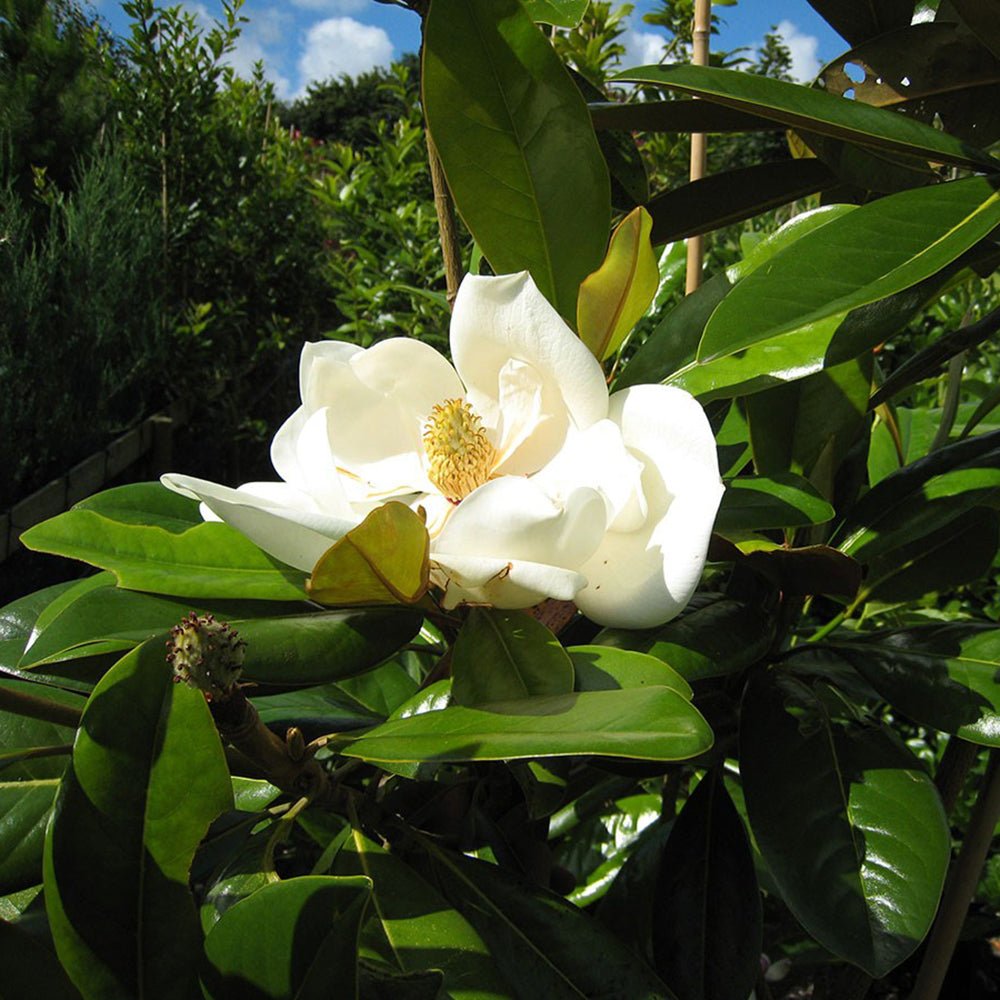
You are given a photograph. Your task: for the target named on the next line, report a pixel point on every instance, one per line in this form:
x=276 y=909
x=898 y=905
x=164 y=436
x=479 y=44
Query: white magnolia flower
x=535 y=484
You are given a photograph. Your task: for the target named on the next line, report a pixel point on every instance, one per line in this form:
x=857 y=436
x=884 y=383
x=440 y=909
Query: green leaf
x=707 y=918
x=721 y=637
x=25 y=805
x=29 y=968
x=850 y=825
x=517 y=145
x=561 y=13
x=809 y=569
x=644 y=723
x=17 y=621
x=913 y=521
x=289 y=941
x=791 y=356
x=809 y=426
x=384 y=560
x=411 y=928
x=147 y=777
x=809 y=110
x=941 y=675
x=329 y=646
x=859 y=20
x=506 y=655
x=93 y=620
x=676 y=116
x=28 y=786
x=616 y=296
x=785 y=500
x=315 y=710
x=848 y=263
x=734 y=195
x=153 y=539
x=542 y=945
x=604 y=668
x=673 y=343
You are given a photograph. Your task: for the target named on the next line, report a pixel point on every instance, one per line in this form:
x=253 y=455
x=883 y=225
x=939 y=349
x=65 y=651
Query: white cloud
x=642 y=48
x=803 y=48
x=332 y=6
x=342 y=45
x=262 y=40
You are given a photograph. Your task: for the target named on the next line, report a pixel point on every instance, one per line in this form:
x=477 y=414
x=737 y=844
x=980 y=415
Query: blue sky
x=300 y=41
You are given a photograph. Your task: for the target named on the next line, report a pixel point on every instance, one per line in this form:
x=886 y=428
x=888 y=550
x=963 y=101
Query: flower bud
x=206 y=654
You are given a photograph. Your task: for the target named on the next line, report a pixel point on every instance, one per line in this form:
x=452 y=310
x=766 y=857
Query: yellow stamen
x=460 y=454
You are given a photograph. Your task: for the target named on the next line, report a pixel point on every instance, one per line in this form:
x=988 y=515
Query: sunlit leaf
x=516 y=143
x=505 y=655
x=616 y=296
x=384 y=560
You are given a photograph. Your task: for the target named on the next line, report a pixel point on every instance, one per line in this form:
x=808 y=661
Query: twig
x=960 y=887
x=39 y=708
x=447 y=228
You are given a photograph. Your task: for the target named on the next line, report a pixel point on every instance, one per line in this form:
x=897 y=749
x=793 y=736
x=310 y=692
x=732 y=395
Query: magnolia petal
x=497 y=319
x=284 y=447
x=376 y=405
x=668 y=426
x=512 y=519
x=281 y=520
x=501 y=583
x=597 y=457
x=319 y=354
x=644 y=578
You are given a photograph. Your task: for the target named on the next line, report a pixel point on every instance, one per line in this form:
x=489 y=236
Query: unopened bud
x=206 y=654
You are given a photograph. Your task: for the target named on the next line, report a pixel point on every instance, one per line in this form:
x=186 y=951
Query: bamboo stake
x=699 y=56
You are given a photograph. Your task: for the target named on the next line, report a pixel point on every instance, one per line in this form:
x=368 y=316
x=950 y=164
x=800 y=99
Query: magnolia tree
x=570 y=666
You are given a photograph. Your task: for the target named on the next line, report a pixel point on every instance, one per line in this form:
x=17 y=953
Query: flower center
x=459 y=452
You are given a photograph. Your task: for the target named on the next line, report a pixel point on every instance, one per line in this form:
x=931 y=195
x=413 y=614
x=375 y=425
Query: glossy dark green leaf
x=329 y=646
x=850 y=825
x=809 y=426
x=858 y=20
x=28 y=787
x=720 y=637
x=980 y=18
x=315 y=710
x=147 y=777
x=17 y=621
x=644 y=723
x=153 y=539
x=808 y=569
x=412 y=928
x=799 y=107
x=707 y=915
x=543 y=946
x=673 y=343
x=380 y=691
x=676 y=116
x=505 y=655
x=30 y=969
x=791 y=356
x=929 y=360
x=93 y=620
x=516 y=143
x=562 y=13
x=604 y=668
x=291 y=940
x=734 y=195
x=848 y=263
x=919 y=508
x=784 y=500
x=936 y=71
x=941 y=675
